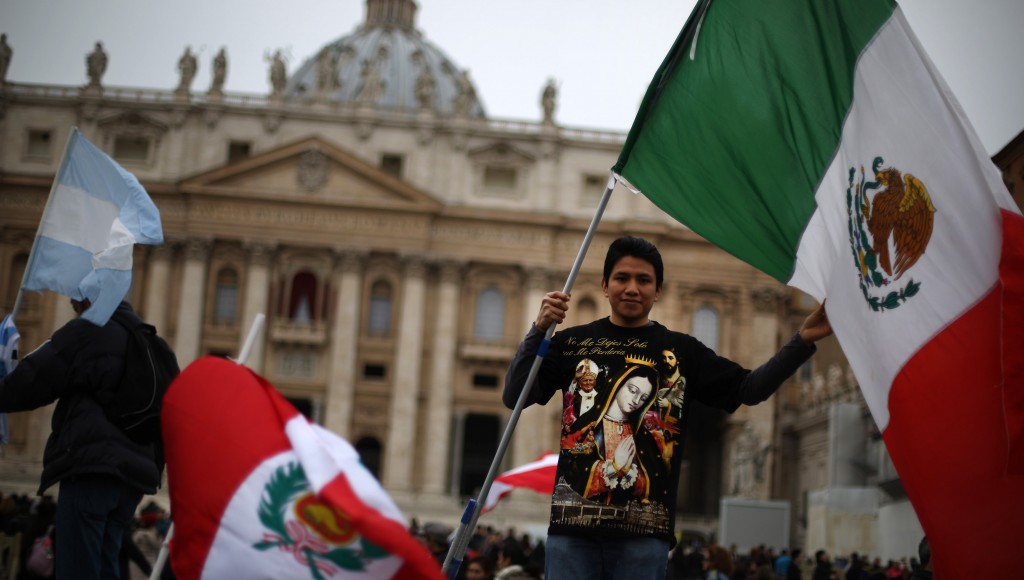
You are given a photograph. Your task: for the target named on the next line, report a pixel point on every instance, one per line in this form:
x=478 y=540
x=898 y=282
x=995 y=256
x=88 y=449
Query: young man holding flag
x=102 y=472
x=613 y=509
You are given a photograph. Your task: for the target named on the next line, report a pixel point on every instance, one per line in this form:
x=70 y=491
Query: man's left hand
x=816 y=326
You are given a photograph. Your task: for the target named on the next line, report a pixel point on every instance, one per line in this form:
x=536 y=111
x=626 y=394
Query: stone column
x=764 y=335
x=191 y=303
x=401 y=444
x=257 y=290
x=157 y=296
x=342 y=372
x=535 y=432
x=442 y=376
x=459 y=424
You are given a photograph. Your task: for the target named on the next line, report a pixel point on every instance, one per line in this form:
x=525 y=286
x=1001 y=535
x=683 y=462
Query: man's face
x=587 y=383
x=669 y=358
x=631 y=291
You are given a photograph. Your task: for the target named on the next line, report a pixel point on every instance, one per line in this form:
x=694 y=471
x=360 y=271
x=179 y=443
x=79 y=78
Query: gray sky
x=601 y=52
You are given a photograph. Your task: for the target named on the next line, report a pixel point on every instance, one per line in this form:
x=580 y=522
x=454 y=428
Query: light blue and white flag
x=96 y=212
x=9 y=338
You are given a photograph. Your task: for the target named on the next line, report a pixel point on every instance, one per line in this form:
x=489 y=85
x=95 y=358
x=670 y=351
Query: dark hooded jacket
x=79 y=360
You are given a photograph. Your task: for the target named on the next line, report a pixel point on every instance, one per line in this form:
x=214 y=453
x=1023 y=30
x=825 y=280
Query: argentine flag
x=9 y=338
x=96 y=212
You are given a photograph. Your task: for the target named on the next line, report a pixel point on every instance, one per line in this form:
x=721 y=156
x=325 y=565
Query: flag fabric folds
x=817 y=142
x=259 y=492
x=96 y=212
x=9 y=338
x=538 y=475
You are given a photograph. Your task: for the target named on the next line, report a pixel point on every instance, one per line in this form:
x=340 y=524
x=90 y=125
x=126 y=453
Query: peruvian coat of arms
x=890 y=224
x=319 y=536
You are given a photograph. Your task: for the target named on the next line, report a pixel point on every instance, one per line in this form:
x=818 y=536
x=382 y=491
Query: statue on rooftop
x=187 y=66
x=96 y=64
x=220 y=72
x=5 y=58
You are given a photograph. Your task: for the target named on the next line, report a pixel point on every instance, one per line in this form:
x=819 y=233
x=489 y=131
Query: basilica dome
x=388 y=64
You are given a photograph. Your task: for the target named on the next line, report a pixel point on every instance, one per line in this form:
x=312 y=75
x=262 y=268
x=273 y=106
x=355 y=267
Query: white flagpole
x=42 y=220
x=458 y=548
x=250 y=340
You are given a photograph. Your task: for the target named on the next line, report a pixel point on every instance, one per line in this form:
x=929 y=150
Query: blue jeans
x=574 y=557
x=92 y=513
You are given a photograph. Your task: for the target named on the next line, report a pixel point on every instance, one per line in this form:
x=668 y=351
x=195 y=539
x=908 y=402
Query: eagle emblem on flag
x=319 y=536
x=890 y=225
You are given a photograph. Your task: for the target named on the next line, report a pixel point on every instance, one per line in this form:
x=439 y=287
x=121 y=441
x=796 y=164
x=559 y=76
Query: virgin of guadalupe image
x=613 y=457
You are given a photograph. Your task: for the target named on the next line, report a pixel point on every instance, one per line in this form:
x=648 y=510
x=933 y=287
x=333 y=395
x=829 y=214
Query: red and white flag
x=259 y=492
x=537 y=475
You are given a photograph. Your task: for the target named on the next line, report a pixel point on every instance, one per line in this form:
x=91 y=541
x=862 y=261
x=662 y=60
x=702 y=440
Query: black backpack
x=134 y=404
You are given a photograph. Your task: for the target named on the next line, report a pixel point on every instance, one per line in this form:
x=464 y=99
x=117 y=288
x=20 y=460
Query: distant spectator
x=720 y=566
x=924 y=553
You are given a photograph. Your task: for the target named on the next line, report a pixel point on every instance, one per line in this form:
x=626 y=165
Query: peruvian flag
x=537 y=475
x=816 y=141
x=259 y=492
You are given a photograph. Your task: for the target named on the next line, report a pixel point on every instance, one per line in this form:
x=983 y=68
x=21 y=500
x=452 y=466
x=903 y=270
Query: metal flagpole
x=458 y=548
x=250 y=340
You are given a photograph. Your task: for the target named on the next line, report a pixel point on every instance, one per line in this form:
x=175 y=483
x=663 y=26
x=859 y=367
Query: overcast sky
x=601 y=52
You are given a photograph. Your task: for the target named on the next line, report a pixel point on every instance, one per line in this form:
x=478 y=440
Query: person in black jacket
x=102 y=472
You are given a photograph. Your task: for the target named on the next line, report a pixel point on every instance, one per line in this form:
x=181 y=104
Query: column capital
x=538 y=279
x=414 y=265
x=766 y=299
x=349 y=260
x=198 y=248
x=450 y=271
x=260 y=252
x=164 y=251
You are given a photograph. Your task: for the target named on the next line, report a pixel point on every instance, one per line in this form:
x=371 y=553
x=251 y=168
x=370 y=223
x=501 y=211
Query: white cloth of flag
x=97 y=211
x=9 y=338
x=537 y=475
x=257 y=491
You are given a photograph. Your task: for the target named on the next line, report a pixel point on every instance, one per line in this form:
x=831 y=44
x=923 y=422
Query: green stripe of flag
x=734 y=142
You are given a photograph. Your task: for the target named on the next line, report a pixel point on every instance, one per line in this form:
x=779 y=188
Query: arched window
x=380 y=309
x=225 y=302
x=369 y=450
x=705 y=326
x=490 y=314
x=302 y=305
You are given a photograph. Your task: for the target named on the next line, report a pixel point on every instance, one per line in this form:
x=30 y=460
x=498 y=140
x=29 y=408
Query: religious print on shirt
x=623 y=395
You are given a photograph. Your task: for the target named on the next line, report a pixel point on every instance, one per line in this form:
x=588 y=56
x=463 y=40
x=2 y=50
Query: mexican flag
x=259 y=492
x=816 y=141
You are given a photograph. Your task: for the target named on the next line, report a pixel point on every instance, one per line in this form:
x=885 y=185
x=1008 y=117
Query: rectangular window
x=239 y=150
x=131 y=149
x=39 y=144
x=485 y=381
x=374 y=371
x=391 y=163
x=500 y=179
x=593 y=189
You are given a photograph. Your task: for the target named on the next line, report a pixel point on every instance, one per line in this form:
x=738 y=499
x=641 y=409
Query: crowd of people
x=490 y=555
x=497 y=555
x=696 y=562
x=33 y=519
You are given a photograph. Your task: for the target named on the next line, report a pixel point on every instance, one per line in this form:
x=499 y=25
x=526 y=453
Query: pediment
x=132 y=123
x=501 y=153
x=310 y=171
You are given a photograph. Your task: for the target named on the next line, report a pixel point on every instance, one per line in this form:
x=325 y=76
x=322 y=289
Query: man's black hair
x=924 y=551
x=635 y=248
